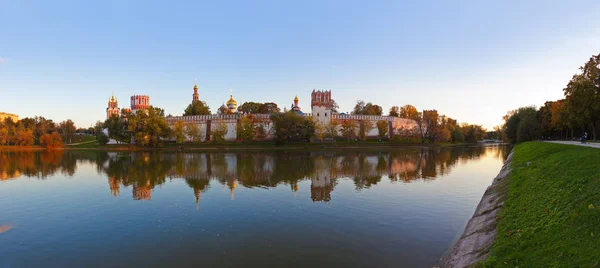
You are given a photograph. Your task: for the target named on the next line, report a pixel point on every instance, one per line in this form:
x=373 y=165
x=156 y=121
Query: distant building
x=321 y=112
x=3 y=116
x=140 y=102
x=295 y=106
x=113 y=107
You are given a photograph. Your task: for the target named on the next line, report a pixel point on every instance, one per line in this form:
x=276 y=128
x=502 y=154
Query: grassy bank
x=551 y=217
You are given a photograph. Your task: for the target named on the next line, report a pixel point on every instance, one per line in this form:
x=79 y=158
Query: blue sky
x=470 y=60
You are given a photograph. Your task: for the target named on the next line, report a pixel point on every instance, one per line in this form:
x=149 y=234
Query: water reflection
x=143 y=171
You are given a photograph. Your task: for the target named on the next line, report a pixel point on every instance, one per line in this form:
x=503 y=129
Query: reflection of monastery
x=321 y=112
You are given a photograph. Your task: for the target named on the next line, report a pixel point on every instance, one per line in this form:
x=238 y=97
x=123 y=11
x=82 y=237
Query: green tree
x=193 y=132
x=149 y=127
x=291 y=127
x=118 y=128
x=218 y=134
x=268 y=108
x=250 y=107
x=512 y=124
x=197 y=108
x=382 y=128
x=246 y=128
x=179 y=131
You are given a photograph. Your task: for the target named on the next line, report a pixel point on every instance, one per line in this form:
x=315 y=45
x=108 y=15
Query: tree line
x=568 y=118
x=37 y=131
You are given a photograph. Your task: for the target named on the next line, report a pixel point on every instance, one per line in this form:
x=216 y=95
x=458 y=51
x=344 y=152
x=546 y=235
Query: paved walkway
x=593 y=145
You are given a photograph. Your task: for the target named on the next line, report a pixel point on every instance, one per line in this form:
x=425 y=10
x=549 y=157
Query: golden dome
x=231 y=101
x=296 y=98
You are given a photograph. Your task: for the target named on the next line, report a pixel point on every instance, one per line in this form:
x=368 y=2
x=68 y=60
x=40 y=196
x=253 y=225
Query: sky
x=470 y=60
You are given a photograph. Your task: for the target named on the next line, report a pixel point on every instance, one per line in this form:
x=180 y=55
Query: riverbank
x=478 y=237
x=550 y=215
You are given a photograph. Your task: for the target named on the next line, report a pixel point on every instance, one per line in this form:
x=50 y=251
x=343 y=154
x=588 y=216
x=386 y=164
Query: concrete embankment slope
x=478 y=237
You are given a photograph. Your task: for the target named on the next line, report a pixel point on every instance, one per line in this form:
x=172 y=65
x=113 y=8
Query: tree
x=218 y=134
x=179 y=131
x=432 y=125
x=197 y=108
x=193 y=132
x=250 y=107
x=409 y=112
x=382 y=128
x=67 y=130
x=512 y=124
x=50 y=141
x=320 y=131
x=291 y=127
x=246 y=128
x=395 y=111
x=332 y=129
x=118 y=128
x=149 y=127
x=268 y=108
x=348 y=129
x=362 y=108
x=365 y=128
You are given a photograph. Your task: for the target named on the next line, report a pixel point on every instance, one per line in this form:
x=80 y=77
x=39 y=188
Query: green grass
x=551 y=217
x=82 y=138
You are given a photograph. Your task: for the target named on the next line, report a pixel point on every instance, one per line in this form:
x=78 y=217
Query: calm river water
x=401 y=208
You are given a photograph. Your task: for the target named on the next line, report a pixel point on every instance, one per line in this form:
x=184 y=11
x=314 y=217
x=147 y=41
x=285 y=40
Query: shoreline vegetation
x=551 y=213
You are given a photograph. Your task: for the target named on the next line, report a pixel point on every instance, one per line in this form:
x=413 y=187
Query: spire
x=195 y=96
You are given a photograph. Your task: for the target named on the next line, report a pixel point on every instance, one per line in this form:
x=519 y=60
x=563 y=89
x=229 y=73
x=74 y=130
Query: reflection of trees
x=37 y=164
x=144 y=170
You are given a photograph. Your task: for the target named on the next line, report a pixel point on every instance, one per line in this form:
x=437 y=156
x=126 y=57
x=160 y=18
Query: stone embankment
x=478 y=238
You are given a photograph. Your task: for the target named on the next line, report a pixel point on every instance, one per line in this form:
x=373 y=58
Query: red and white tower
x=139 y=102
x=321 y=105
x=196 y=96
x=113 y=107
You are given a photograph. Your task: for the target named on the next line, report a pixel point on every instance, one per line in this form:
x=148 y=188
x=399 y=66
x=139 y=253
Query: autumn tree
x=348 y=129
x=67 y=130
x=332 y=129
x=193 y=132
x=179 y=131
x=197 y=108
x=362 y=108
x=50 y=141
x=395 y=111
x=409 y=112
x=217 y=135
x=382 y=128
x=246 y=128
x=320 y=131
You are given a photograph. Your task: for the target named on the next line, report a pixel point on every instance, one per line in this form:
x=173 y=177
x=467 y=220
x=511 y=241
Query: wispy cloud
x=2 y=60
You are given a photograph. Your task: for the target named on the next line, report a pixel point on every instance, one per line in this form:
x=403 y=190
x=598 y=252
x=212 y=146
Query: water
x=401 y=208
